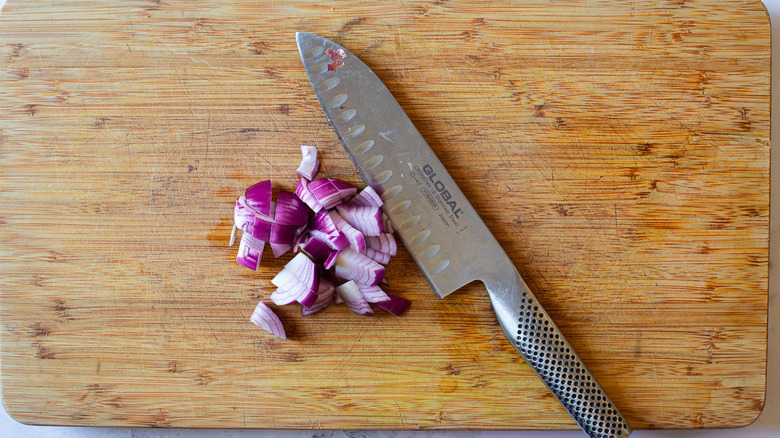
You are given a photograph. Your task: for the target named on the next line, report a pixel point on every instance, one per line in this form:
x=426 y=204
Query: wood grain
x=618 y=150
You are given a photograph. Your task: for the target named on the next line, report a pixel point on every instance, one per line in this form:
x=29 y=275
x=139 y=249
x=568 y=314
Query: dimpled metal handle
x=536 y=337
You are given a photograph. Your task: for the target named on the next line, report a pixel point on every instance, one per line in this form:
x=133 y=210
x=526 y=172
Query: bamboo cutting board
x=618 y=150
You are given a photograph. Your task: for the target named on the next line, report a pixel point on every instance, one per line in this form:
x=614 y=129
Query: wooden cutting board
x=618 y=150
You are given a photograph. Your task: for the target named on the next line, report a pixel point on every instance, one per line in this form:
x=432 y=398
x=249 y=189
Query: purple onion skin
x=397 y=305
x=258 y=197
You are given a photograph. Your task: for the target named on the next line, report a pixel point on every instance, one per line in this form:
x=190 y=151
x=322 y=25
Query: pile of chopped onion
x=341 y=238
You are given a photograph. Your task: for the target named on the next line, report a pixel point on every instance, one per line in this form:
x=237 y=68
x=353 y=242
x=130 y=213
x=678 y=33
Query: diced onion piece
x=303 y=235
x=266 y=319
x=283 y=234
x=241 y=213
x=280 y=248
x=305 y=195
x=351 y=265
x=318 y=250
x=397 y=305
x=324 y=297
x=325 y=230
x=335 y=243
x=350 y=293
x=309 y=163
x=258 y=197
x=353 y=236
x=384 y=242
x=330 y=191
x=290 y=210
x=377 y=256
x=250 y=251
x=387 y=226
x=282 y=296
x=368 y=197
x=232 y=235
x=251 y=222
x=259 y=228
x=373 y=294
x=331 y=260
x=368 y=220
x=336 y=58
x=299 y=280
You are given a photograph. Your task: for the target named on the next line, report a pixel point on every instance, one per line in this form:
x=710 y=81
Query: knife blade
x=441 y=230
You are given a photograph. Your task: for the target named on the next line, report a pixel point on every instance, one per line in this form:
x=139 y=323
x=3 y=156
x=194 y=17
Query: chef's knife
x=440 y=228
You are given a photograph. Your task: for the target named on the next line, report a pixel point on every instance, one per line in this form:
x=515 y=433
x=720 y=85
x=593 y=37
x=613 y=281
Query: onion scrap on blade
x=336 y=58
x=341 y=240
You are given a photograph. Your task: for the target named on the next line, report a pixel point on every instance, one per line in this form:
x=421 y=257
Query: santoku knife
x=440 y=228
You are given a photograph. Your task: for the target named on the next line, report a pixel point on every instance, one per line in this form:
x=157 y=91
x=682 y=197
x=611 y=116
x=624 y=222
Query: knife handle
x=536 y=337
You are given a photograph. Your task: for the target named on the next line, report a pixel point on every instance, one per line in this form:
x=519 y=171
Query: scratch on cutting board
x=40 y=60
x=657 y=388
x=78 y=44
x=183 y=88
x=191 y=58
x=400 y=413
x=347 y=356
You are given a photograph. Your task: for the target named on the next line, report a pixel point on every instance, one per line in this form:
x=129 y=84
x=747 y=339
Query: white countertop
x=767 y=425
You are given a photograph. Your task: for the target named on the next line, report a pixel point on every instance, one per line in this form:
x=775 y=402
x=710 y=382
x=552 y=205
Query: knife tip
x=302 y=35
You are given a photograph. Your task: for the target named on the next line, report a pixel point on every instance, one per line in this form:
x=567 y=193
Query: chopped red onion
x=351 y=265
x=397 y=305
x=368 y=220
x=309 y=163
x=305 y=195
x=318 y=250
x=353 y=236
x=250 y=251
x=325 y=294
x=282 y=296
x=330 y=191
x=373 y=294
x=251 y=222
x=350 y=293
x=298 y=279
x=266 y=319
x=280 y=248
x=387 y=226
x=241 y=213
x=259 y=228
x=290 y=210
x=331 y=260
x=258 y=197
x=284 y=234
x=368 y=197
x=303 y=235
x=232 y=235
x=377 y=256
x=355 y=240
x=325 y=230
x=336 y=58
x=384 y=242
